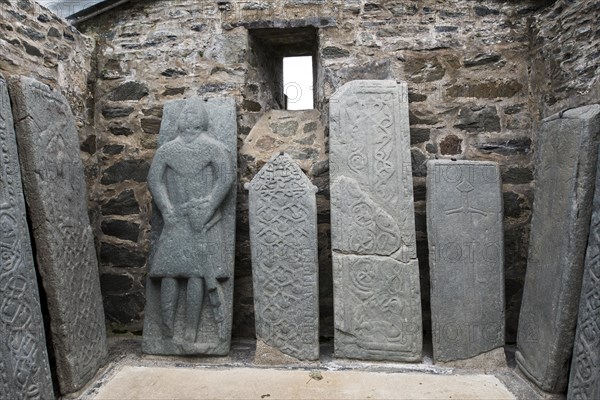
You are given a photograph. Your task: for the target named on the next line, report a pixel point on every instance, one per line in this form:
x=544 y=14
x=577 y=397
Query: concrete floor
x=132 y=375
x=143 y=383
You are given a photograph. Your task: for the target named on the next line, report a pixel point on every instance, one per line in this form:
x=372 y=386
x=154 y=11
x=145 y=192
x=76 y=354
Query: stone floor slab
x=252 y=383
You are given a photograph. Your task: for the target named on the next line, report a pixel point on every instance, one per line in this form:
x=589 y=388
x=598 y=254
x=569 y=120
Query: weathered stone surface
x=424 y=69
x=377 y=308
x=419 y=135
x=486 y=90
x=89 y=145
x=174 y=72
x=478 y=119
x=565 y=175
x=564 y=56
x=505 y=147
x=228 y=48
x=334 y=52
x=192 y=180
x=517 y=175
x=285 y=269
x=150 y=125
x=585 y=365
x=110 y=112
x=121 y=256
x=482 y=59
x=124 y=230
x=56 y=198
x=119 y=130
x=466 y=258
x=300 y=134
x=126 y=170
x=129 y=91
x=123 y=204
x=113 y=149
x=375 y=268
x=451 y=145
x=24 y=365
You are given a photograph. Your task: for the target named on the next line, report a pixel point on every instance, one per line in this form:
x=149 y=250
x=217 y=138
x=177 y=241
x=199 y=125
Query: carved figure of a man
x=189 y=179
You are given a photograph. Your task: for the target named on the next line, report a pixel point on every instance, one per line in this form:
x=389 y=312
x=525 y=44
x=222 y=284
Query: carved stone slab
x=285 y=269
x=189 y=297
x=376 y=276
x=56 y=199
x=585 y=365
x=565 y=175
x=466 y=245
x=24 y=369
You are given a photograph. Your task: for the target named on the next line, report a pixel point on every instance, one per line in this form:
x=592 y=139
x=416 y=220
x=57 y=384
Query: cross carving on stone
x=465 y=188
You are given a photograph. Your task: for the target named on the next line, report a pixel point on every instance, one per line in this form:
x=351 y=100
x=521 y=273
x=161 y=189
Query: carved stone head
x=193 y=120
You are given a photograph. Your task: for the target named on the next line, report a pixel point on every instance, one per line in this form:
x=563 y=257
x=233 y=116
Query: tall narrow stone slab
x=189 y=295
x=565 y=174
x=285 y=269
x=584 y=383
x=56 y=199
x=375 y=269
x=466 y=258
x=24 y=369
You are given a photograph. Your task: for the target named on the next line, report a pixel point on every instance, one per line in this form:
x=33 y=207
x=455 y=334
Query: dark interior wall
x=565 y=63
x=466 y=64
x=263 y=69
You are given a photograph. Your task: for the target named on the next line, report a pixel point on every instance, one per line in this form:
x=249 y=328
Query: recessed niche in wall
x=286 y=63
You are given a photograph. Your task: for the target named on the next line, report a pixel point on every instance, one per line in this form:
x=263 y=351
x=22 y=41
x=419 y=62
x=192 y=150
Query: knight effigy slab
x=466 y=258
x=565 y=174
x=285 y=269
x=189 y=295
x=55 y=192
x=24 y=368
x=585 y=365
x=377 y=296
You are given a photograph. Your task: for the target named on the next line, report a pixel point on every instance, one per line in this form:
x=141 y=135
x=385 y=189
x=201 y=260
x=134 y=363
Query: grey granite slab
x=55 y=193
x=24 y=368
x=565 y=173
x=584 y=382
x=372 y=224
x=189 y=295
x=466 y=258
x=285 y=268
x=377 y=315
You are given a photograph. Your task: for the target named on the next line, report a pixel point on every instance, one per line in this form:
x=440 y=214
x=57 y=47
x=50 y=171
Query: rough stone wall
x=465 y=63
x=565 y=42
x=36 y=43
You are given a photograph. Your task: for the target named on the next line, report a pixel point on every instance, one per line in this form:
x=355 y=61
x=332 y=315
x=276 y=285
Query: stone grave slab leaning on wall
x=285 y=267
x=585 y=365
x=565 y=173
x=466 y=246
x=55 y=193
x=377 y=301
x=24 y=367
x=189 y=296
